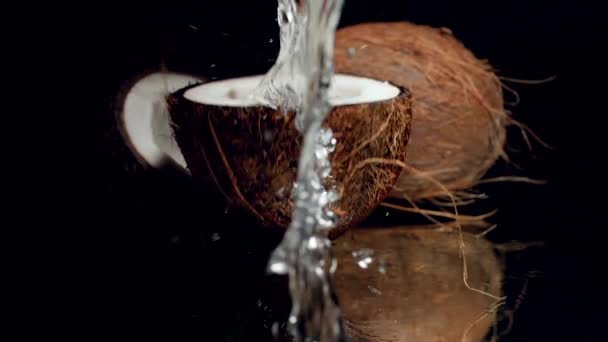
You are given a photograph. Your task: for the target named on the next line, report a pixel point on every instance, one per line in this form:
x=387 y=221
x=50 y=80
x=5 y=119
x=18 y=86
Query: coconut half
x=144 y=119
x=251 y=151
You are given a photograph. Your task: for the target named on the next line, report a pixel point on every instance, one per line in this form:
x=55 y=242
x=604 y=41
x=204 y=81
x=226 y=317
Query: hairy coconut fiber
x=252 y=153
x=415 y=288
x=458 y=128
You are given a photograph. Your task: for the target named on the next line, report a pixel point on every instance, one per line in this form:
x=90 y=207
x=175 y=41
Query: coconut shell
x=458 y=130
x=414 y=290
x=252 y=154
x=147 y=93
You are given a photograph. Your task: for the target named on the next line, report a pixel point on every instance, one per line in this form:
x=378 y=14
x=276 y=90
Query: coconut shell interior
x=251 y=153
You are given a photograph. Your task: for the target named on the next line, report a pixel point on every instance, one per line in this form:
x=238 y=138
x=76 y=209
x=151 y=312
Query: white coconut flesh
x=344 y=90
x=146 y=118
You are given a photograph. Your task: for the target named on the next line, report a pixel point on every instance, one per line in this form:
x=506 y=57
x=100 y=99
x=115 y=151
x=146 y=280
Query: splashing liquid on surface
x=300 y=81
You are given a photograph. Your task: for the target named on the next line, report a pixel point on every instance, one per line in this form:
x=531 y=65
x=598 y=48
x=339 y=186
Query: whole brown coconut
x=458 y=130
x=412 y=288
x=251 y=151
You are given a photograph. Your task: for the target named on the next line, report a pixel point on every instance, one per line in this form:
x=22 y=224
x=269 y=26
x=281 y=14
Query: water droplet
x=226 y=210
x=271 y=40
x=313 y=242
x=275 y=330
x=278 y=267
x=352 y=52
x=374 y=290
x=281 y=193
x=212 y=65
x=363 y=257
x=215 y=237
x=293 y=319
x=382 y=266
x=268 y=135
x=387 y=213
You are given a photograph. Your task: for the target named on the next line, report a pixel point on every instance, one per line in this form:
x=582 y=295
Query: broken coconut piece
x=251 y=151
x=144 y=119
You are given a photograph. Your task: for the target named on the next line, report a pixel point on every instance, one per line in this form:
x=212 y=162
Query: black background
x=116 y=252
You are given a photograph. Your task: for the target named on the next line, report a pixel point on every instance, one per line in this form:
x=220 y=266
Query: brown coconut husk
x=458 y=130
x=418 y=286
x=228 y=145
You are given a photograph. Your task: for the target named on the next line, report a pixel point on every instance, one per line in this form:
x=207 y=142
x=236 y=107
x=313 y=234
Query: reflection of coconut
x=412 y=288
x=458 y=130
x=251 y=152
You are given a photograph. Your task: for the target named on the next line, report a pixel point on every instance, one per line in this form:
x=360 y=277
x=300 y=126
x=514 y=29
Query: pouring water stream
x=300 y=81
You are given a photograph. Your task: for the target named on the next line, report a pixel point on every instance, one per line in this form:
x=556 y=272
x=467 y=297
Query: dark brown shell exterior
x=252 y=154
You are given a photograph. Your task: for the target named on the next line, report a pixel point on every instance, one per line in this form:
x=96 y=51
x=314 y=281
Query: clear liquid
x=300 y=81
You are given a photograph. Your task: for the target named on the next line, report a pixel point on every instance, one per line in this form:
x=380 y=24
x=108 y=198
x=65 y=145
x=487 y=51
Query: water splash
x=300 y=80
x=363 y=257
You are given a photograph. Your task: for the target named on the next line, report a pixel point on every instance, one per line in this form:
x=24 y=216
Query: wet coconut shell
x=252 y=153
x=458 y=130
x=413 y=289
